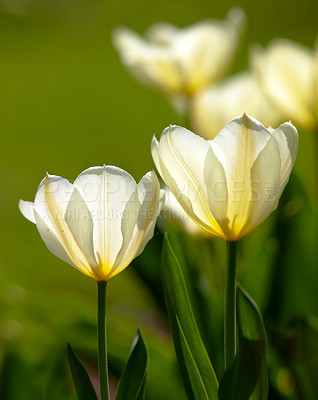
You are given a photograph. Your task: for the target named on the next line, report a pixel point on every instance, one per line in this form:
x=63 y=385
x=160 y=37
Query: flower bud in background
x=288 y=74
x=98 y=224
x=230 y=184
x=181 y=61
x=212 y=108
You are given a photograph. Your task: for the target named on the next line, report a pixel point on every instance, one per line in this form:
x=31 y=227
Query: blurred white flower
x=181 y=61
x=98 y=224
x=288 y=74
x=215 y=106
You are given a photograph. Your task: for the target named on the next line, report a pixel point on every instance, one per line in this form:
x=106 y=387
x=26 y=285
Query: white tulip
x=181 y=61
x=288 y=74
x=98 y=224
x=230 y=184
x=216 y=105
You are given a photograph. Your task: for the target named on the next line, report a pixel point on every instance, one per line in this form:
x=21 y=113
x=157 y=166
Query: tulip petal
x=286 y=73
x=238 y=144
x=161 y=33
x=155 y=154
x=205 y=50
x=237 y=147
x=52 y=242
x=149 y=209
x=80 y=222
x=149 y=64
x=172 y=210
x=51 y=204
x=217 y=193
x=106 y=191
x=138 y=221
x=265 y=192
x=182 y=156
x=27 y=209
x=50 y=186
x=286 y=137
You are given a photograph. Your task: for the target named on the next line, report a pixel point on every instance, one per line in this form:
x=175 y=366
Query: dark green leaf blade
x=246 y=378
x=133 y=379
x=82 y=382
x=196 y=368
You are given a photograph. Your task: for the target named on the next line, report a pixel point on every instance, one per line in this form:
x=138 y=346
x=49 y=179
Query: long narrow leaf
x=133 y=379
x=82 y=382
x=246 y=378
x=196 y=368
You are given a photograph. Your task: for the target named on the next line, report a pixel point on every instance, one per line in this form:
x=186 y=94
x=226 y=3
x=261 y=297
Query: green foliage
x=81 y=379
x=198 y=374
x=133 y=379
x=246 y=378
x=67 y=104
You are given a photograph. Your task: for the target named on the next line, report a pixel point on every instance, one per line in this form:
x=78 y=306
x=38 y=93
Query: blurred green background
x=67 y=104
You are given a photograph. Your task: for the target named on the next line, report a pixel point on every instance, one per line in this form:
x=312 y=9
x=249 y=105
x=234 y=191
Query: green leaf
x=82 y=382
x=133 y=379
x=163 y=365
x=196 y=368
x=246 y=378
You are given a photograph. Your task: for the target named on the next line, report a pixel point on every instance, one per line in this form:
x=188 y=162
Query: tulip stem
x=102 y=342
x=230 y=305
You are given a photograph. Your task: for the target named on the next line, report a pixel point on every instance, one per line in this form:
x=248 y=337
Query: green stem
x=102 y=341
x=230 y=305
